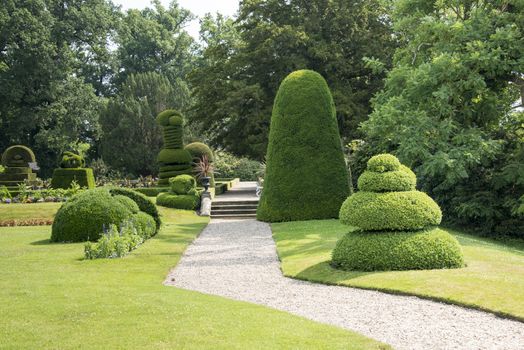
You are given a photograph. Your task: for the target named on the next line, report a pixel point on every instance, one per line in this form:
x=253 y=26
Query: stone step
x=241 y=202
x=233 y=216
x=234 y=206
x=232 y=211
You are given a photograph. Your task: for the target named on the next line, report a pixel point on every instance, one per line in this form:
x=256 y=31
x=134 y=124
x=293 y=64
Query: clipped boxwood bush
x=179 y=201
x=64 y=177
x=306 y=175
x=412 y=250
x=182 y=194
x=84 y=216
x=398 y=180
x=144 y=203
x=395 y=223
x=408 y=210
x=198 y=150
x=183 y=184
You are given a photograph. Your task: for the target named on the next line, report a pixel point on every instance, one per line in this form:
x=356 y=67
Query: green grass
x=493 y=279
x=53 y=299
x=28 y=211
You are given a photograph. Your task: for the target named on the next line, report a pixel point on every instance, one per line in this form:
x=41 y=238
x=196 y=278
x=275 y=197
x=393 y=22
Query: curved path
x=237 y=260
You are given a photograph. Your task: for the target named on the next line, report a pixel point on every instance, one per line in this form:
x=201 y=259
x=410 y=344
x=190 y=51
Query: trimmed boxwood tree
x=306 y=176
x=397 y=225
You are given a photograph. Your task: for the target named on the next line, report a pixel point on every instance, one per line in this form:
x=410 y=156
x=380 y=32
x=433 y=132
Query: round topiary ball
x=381 y=251
x=183 y=184
x=198 y=150
x=84 y=216
x=383 y=162
x=306 y=175
x=409 y=210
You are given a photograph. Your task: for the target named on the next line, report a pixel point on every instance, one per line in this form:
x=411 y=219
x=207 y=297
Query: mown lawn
x=53 y=299
x=28 y=211
x=493 y=279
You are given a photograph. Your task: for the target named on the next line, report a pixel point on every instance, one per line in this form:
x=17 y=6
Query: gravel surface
x=237 y=260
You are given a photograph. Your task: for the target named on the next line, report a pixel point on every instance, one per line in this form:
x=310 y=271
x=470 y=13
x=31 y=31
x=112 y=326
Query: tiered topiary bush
x=16 y=160
x=72 y=168
x=173 y=159
x=85 y=216
x=182 y=195
x=306 y=175
x=198 y=151
x=397 y=225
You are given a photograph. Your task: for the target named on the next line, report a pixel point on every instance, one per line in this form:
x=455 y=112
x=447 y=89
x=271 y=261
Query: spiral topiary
x=173 y=159
x=84 y=216
x=306 y=175
x=397 y=225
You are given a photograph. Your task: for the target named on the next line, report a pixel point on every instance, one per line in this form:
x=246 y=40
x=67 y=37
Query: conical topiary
x=397 y=224
x=173 y=159
x=306 y=176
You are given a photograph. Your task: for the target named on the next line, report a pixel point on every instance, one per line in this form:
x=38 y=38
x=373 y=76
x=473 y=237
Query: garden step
x=233 y=211
x=233 y=216
x=241 y=202
x=234 y=206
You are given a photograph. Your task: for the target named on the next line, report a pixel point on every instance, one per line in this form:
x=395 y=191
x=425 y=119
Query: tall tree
x=46 y=49
x=245 y=61
x=154 y=40
x=448 y=107
x=131 y=138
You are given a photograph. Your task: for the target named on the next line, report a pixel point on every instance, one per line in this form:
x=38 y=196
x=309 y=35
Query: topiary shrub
x=144 y=203
x=183 y=184
x=84 y=216
x=64 y=177
x=173 y=159
x=72 y=169
x=306 y=176
x=397 y=250
x=409 y=210
x=15 y=165
x=199 y=149
x=182 y=194
x=396 y=224
x=72 y=160
x=179 y=201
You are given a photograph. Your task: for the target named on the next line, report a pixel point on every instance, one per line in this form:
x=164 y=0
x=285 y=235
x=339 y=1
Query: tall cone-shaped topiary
x=397 y=224
x=173 y=159
x=306 y=176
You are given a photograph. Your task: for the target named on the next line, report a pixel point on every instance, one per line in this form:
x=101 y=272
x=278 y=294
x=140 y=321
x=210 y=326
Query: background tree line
x=438 y=83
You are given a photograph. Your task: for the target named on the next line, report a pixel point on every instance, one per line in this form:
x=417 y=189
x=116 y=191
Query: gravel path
x=237 y=260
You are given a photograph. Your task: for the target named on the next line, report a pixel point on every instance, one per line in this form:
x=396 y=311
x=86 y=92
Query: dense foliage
x=244 y=60
x=396 y=227
x=306 y=176
x=449 y=108
x=397 y=250
x=450 y=105
x=182 y=193
x=84 y=216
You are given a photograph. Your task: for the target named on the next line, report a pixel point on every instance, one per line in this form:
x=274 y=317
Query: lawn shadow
x=325 y=273
x=42 y=242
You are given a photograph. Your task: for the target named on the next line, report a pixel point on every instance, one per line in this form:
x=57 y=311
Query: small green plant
x=2 y=169
x=23 y=192
x=116 y=242
x=4 y=193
